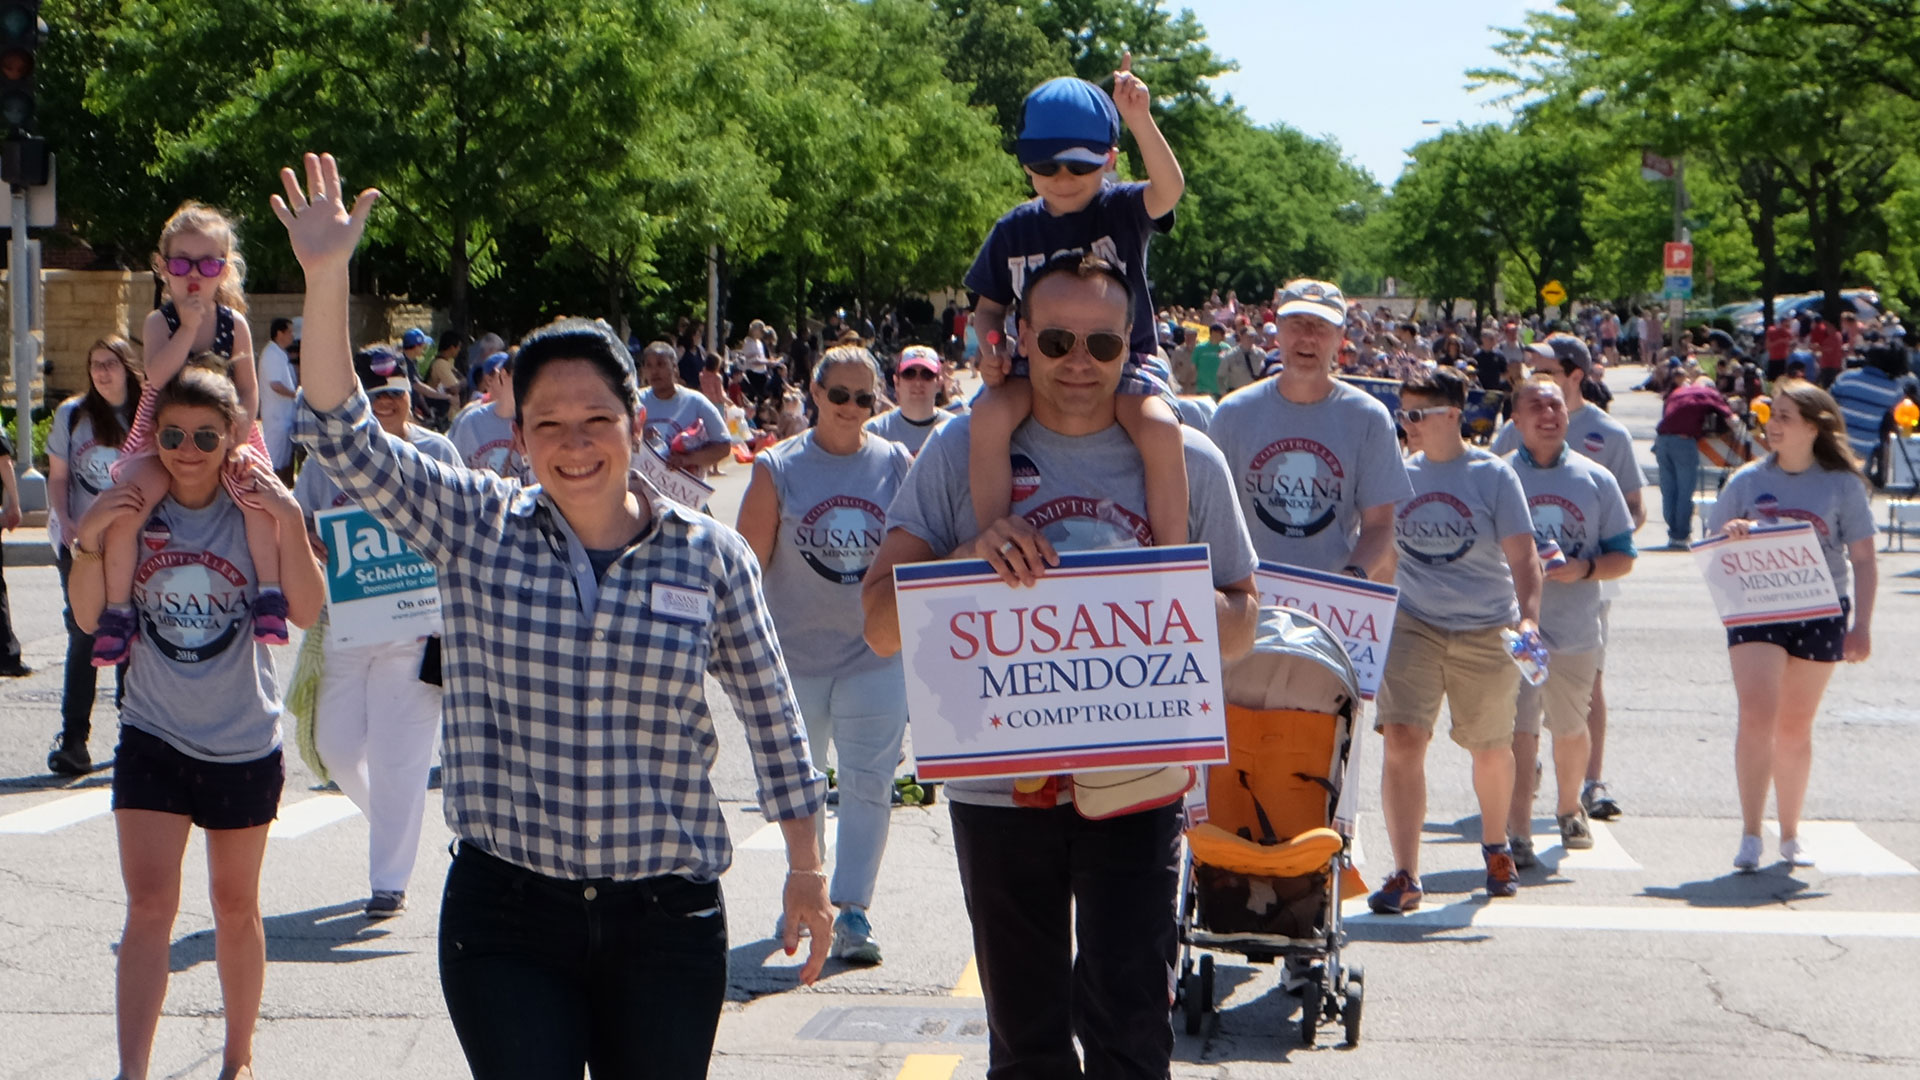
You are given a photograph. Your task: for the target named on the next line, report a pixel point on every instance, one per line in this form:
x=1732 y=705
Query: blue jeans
x=1679 y=459
x=864 y=717
x=545 y=978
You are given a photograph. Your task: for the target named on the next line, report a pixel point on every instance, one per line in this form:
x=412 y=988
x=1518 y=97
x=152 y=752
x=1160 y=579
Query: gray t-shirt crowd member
x=894 y=426
x=1835 y=503
x=832 y=518
x=1305 y=472
x=72 y=440
x=1084 y=493
x=484 y=440
x=667 y=417
x=1453 y=573
x=1594 y=434
x=197 y=678
x=314 y=490
x=1576 y=504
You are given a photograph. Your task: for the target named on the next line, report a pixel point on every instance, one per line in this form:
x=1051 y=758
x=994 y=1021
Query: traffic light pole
x=33 y=486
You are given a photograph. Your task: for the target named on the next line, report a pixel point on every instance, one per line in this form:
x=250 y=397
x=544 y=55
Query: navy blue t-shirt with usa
x=1114 y=226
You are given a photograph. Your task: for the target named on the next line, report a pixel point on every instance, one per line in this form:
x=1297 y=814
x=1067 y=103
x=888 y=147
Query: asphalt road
x=1647 y=957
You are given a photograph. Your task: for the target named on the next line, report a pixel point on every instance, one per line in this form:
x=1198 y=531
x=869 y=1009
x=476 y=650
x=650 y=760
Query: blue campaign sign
x=378 y=589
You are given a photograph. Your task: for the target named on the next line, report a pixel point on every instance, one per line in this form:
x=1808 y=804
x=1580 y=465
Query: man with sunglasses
x=1038 y=878
x=1316 y=461
x=916 y=383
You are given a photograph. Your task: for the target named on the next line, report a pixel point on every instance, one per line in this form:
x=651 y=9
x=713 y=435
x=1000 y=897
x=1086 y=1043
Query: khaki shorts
x=1470 y=669
x=1564 y=698
x=1606 y=631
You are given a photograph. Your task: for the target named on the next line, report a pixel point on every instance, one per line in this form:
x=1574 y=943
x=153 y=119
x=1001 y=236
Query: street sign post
x=1679 y=287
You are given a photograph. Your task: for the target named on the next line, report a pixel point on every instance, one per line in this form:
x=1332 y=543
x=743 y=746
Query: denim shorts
x=149 y=774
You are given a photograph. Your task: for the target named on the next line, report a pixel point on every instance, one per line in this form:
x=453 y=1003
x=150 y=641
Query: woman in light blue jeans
x=815 y=513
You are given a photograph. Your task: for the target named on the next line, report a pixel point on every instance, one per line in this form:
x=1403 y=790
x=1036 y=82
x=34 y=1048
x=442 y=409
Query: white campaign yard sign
x=1776 y=574
x=378 y=590
x=677 y=484
x=1110 y=661
x=1360 y=613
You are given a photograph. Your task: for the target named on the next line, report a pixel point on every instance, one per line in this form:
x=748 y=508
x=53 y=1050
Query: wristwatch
x=1354 y=571
x=78 y=552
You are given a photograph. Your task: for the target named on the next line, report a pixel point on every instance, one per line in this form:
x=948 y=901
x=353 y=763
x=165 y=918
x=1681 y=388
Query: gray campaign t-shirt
x=833 y=515
x=196 y=677
x=1306 y=472
x=1594 y=434
x=484 y=440
x=71 y=439
x=1084 y=493
x=1453 y=573
x=894 y=426
x=1834 y=503
x=314 y=490
x=667 y=417
x=1577 y=504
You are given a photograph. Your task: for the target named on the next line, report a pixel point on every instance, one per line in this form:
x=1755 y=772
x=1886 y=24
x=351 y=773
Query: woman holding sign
x=815 y=513
x=200 y=727
x=375 y=719
x=1780 y=670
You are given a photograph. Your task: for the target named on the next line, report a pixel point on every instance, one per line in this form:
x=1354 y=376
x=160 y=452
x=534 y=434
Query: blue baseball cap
x=490 y=365
x=414 y=338
x=1067 y=119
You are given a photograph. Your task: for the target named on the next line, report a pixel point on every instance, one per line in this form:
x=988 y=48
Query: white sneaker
x=1794 y=852
x=1748 y=859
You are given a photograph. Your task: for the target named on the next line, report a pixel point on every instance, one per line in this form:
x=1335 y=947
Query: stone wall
x=84 y=305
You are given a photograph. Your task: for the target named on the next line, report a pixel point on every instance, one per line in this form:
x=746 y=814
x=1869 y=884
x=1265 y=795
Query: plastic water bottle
x=1529 y=655
x=1551 y=557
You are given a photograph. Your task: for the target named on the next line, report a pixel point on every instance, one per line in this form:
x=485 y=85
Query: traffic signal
x=21 y=33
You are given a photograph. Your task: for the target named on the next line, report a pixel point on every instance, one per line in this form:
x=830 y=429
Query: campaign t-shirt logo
x=1077 y=523
x=1594 y=442
x=1435 y=528
x=1296 y=486
x=496 y=457
x=839 y=536
x=1559 y=520
x=193 y=604
x=1768 y=507
x=92 y=465
x=1772 y=513
x=155 y=534
x=1026 y=478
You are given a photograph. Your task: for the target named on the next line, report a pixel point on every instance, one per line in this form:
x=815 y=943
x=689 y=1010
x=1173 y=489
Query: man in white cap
x=1316 y=461
x=1593 y=433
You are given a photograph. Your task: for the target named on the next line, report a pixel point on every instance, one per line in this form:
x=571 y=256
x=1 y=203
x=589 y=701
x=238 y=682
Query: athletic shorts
x=1469 y=669
x=150 y=774
x=1563 y=700
x=1822 y=641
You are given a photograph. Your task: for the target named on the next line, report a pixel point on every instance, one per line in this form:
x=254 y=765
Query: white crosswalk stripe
x=1842 y=849
x=58 y=814
x=309 y=815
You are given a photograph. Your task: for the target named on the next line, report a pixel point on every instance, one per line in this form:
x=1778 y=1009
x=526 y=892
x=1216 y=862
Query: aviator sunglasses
x=840 y=395
x=913 y=373
x=209 y=267
x=1077 y=168
x=207 y=440
x=1101 y=345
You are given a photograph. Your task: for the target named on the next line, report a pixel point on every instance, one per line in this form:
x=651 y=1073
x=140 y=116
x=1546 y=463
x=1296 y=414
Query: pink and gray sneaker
x=114 y=636
x=269 y=617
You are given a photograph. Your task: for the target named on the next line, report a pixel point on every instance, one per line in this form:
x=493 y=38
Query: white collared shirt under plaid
x=577 y=735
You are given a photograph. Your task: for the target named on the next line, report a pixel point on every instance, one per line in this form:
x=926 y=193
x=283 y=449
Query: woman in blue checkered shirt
x=582 y=923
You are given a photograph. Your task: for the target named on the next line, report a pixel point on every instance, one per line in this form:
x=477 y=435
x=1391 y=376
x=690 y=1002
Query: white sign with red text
x=1110 y=661
x=677 y=484
x=1360 y=613
x=1776 y=574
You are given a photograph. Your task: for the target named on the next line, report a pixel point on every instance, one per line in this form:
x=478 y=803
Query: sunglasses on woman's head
x=1414 y=416
x=840 y=395
x=1077 y=168
x=1101 y=345
x=916 y=373
x=207 y=440
x=209 y=267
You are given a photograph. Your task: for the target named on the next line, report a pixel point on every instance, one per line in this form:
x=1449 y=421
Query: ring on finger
x=1006 y=546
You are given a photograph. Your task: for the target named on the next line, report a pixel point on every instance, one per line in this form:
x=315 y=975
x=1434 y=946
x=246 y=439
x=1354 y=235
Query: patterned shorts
x=1822 y=641
x=149 y=774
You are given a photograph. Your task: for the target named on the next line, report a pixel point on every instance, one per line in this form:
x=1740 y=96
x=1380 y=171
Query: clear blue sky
x=1366 y=73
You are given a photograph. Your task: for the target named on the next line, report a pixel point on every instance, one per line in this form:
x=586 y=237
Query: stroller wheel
x=1311 y=998
x=1206 y=983
x=1191 y=1005
x=1356 y=997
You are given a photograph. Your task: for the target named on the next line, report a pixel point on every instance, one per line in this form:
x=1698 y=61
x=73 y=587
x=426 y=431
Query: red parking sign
x=1679 y=260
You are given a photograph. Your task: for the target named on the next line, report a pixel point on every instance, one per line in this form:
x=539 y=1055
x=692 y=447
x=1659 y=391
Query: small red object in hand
x=693 y=438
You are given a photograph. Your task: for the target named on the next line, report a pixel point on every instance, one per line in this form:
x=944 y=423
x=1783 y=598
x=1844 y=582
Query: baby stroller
x=1271 y=857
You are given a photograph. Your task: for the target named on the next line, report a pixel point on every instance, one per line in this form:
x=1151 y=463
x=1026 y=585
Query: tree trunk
x=1766 y=239
x=459 y=270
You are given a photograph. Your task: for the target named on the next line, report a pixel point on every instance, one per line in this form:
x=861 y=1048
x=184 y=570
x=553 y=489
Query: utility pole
x=1677 y=309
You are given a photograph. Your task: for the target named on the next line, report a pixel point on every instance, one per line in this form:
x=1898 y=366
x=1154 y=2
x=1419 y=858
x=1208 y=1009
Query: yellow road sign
x=1553 y=292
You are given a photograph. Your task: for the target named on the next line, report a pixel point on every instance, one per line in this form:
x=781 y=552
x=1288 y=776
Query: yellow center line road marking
x=929 y=1067
x=969 y=984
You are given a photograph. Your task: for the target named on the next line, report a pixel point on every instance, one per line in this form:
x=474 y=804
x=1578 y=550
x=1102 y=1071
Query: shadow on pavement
x=101 y=776
x=1765 y=888
x=315 y=936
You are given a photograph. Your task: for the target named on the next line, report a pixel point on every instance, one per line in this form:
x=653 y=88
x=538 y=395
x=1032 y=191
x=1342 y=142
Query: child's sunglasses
x=209 y=267
x=1077 y=168
x=840 y=395
x=1102 y=346
x=207 y=440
